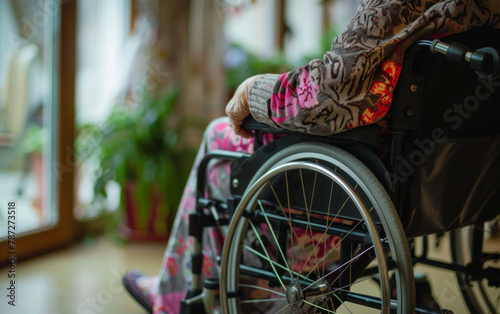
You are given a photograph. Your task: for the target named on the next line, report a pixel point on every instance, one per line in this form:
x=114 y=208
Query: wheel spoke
x=330 y=293
x=315 y=251
x=262 y=300
x=274 y=237
x=267 y=255
x=261 y=288
x=308 y=227
x=349 y=262
x=343 y=238
x=289 y=220
x=321 y=308
x=274 y=262
x=323 y=260
x=289 y=217
x=327 y=225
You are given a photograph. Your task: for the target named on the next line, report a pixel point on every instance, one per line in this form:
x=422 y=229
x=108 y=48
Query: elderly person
x=352 y=86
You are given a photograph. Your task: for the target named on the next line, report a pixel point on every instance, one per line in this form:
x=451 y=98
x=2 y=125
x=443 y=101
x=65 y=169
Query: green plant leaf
x=143 y=145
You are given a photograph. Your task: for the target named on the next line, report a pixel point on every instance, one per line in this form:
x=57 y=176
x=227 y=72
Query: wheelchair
x=329 y=224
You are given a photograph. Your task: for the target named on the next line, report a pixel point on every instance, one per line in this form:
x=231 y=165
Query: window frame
x=66 y=230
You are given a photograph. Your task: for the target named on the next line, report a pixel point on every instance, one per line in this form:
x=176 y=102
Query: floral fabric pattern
x=289 y=98
x=174 y=279
x=352 y=86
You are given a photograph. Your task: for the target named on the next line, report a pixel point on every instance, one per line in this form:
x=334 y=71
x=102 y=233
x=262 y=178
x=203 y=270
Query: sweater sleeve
x=325 y=96
x=353 y=84
x=260 y=95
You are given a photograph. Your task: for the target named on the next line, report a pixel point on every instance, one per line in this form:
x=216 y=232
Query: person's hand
x=237 y=108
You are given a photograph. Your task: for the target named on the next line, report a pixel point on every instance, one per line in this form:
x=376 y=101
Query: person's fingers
x=234 y=117
x=238 y=109
x=239 y=131
x=242 y=132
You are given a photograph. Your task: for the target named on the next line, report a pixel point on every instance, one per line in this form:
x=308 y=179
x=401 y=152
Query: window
x=36 y=124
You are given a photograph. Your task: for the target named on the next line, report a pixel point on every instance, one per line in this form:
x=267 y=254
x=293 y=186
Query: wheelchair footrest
x=193 y=303
x=201 y=300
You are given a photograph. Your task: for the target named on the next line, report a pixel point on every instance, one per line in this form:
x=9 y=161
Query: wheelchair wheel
x=315 y=232
x=481 y=295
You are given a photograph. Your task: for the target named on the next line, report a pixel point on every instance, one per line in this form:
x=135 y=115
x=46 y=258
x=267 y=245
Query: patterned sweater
x=353 y=84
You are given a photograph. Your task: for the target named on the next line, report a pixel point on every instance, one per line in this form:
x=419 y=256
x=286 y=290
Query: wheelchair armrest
x=251 y=124
x=368 y=134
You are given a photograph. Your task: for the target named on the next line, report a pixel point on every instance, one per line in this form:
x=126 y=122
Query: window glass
x=28 y=113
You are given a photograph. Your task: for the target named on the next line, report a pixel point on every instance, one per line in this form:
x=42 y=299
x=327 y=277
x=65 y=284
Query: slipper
x=140 y=294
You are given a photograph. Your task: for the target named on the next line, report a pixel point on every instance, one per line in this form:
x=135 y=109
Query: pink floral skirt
x=174 y=278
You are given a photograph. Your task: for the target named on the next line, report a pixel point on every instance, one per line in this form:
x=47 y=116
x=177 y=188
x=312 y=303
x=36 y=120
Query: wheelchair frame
x=405 y=117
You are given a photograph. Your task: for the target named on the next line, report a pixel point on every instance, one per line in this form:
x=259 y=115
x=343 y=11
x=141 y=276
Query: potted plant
x=140 y=149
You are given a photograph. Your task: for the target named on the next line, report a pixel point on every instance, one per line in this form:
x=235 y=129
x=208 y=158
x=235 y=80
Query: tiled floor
x=83 y=279
x=86 y=279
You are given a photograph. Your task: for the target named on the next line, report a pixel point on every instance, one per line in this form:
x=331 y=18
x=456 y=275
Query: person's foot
x=136 y=286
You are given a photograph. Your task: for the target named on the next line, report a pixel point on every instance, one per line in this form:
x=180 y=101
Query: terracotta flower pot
x=156 y=227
